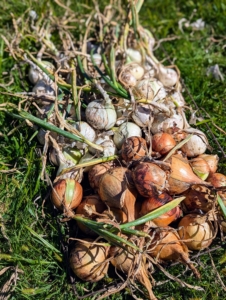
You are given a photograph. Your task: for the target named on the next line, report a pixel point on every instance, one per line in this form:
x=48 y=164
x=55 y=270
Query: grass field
x=33 y=241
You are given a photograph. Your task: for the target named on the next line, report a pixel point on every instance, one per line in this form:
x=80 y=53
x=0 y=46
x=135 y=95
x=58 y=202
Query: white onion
x=34 y=75
x=134 y=55
x=143 y=115
x=42 y=88
x=162 y=123
x=148 y=88
x=167 y=76
x=87 y=131
x=124 y=131
x=197 y=144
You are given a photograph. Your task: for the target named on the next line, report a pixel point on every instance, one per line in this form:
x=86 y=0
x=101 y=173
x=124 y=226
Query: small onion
x=212 y=161
x=149 y=179
x=196 y=232
x=42 y=88
x=163 y=142
x=116 y=190
x=87 y=131
x=148 y=88
x=163 y=123
x=166 y=246
x=143 y=115
x=133 y=148
x=134 y=55
x=34 y=75
x=124 y=131
x=167 y=76
x=217 y=179
x=88 y=260
x=96 y=172
x=196 y=145
x=150 y=204
x=200 y=167
x=66 y=194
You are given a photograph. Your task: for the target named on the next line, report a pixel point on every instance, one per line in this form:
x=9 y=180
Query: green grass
x=31 y=232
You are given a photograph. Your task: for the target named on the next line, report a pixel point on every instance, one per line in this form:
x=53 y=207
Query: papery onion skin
x=196 y=232
x=150 y=204
x=124 y=131
x=212 y=161
x=200 y=167
x=149 y=179
x=163 y=142
x=217 y=179
x=96 y=172
x=166 y=246
x=133 y=148
x=66 y=194
x=196 y=145
x=88 y=260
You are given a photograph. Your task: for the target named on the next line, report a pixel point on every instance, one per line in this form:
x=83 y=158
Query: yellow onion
x=115 y=214
x=116 y=190
x=90 y=207
x=212 y=161
x=200 y=167
x=217 y=179
x=166 y=246
x=149 y=179
x=196 y=232
x=66 y=194
x=88 y=260
x=133 y=148
x=163 y=142
x=182 y=176
x=96 y=172
x=199 y=197
x=123 y=259
x=152 y=203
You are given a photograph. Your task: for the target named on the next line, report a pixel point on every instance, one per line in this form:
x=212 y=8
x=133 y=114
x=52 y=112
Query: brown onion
x=134 y=148
x=199 y=197
x=182 y=176
x=90 y=207
x=212 y=161
x=166 y=246
x=163 y=142
x=149 y=179
x=66 y=194
x=200 y=167
x=217 y=179
x=88 y=260
x=96 y=172
x=152 y=203
x=196 y=232
x=116 y=190
x=124 y=260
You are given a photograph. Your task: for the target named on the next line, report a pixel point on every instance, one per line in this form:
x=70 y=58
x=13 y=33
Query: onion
x=163 y=142
x=182 y=176
x=152 y=203
x=124 y=260
x=116 y=190
x=88 y=260
x=167 y=76
x=87 y=131
x=166 y=246
x=66 y=194
x=197 y=144
x=212 y=161
x=115 y=214
x=217 y=179
x=96 y=172
x=133 y=148
x=134 y=55
x=90 y=207
x=124 y=131
x=196 y=232
x=35 y=75
x=143 y=115
x=200 y=167
x=163 y=123
x=147 y=88
x=149 y=179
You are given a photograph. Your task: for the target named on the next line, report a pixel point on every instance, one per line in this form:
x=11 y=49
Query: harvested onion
x=134 y=148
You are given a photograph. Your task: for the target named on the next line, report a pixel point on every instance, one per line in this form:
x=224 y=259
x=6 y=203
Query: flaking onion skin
x=133 y=148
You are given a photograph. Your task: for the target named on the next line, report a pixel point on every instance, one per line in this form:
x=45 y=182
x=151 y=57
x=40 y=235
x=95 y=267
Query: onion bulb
x=133 y=148
x=150 y=204
x=149 y=179
x=196 y=232
x=163 y=142
x=212 y=161
x=35 y=75
x=88 y=260
x=143 y=115
x=116 y=190
x=197 y=144
x=124 y=131
x=163 y=123
x=96 y=172
x=66 y=194
x=200 y=167
x=166 y=246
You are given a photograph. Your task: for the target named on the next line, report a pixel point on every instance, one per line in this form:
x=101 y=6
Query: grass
x=33 y=242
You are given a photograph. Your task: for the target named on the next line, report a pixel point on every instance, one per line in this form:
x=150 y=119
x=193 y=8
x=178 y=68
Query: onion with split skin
x=134 y=148
x=195 y=231
x=88 y=260
x=116 y=190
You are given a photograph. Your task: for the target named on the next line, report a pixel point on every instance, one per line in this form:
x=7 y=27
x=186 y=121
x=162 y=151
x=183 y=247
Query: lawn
x=34 y=241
